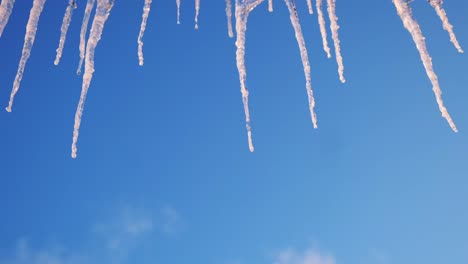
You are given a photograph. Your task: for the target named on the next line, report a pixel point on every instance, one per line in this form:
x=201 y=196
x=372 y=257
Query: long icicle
x=64 y=29
x=309 y=5
x=84 y=28
x=146 y=10
x=178 y=11
x=102 y=13
x=197 y=12
x=243 y=9
x=323 y=29
x=229 y=18
x=304 y=57
x=331 y=6
x=5 y=11
x=404 y=11
x=270 y=5
x=437 y=5
x=31 y=29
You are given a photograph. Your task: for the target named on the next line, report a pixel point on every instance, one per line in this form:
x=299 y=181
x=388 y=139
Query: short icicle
x=5 y=11
x=437 y=5
x=323 y=29
x=197 y=12
x=229 y=18
x=309 y=6
x=270 y=5
x=404 y=11
x=84 y=29
x=31 y=29
x=331 y=7
x=304 y=57
x=178 y=11
x=64 y=29
x=243 y=9
x=146 y=10
x=102 y=13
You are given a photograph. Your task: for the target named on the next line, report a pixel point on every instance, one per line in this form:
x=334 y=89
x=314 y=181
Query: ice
x=31 y=29
x=102 y=13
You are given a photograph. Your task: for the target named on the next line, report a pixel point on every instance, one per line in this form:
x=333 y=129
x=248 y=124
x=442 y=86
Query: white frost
x=102 y=13
x=197 y=12
x=84 y=28
x=331 y=6
x=404 y=11
x=243 y=9
x=229 y=17
x=323 y=29
x=31 y=29
x=64 y=29
x=305 y=58
x=5 y=11
x=437 y=5
x=146 y=10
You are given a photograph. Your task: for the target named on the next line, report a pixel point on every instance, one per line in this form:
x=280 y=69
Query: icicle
x=243 y=9
x=178 y=11
x=5 y=10
x=437 y=5
x=334 y=30
x=323 y=30
x=404 y=11
x=197 y=11
x=84 y=28
x=146 y=10
x=309 y=5
x=270 y=5
x=63 y=31
x=29 y=38
x=102 y=13
x=305 y=58
x=229 y=18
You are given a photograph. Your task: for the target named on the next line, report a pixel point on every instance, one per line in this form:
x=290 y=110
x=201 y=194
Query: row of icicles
x=242 y=11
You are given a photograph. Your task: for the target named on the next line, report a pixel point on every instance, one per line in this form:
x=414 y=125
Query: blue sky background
x=164 y=175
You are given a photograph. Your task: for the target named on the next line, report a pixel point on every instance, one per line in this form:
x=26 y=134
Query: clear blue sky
x=164 y=174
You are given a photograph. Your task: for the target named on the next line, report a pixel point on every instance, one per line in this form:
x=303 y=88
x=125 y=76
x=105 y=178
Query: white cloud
x=127 y=229
x=110 y=241
x=26 y=255
x=234 y=262
x=170 y=220
x=308 y=256
x=378 y=256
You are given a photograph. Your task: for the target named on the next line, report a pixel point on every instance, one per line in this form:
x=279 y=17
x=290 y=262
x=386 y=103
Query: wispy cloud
x=110 y=241
x=124 y=231
x=308 y=256
x=171 y=221
x=378 y=256
x=56 y=255
x=233 y=262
